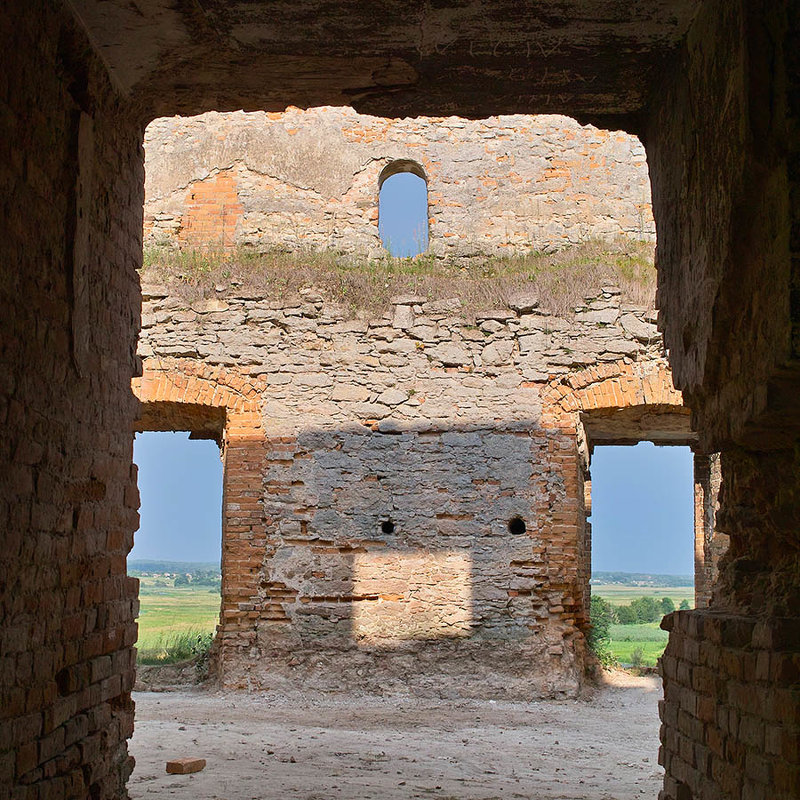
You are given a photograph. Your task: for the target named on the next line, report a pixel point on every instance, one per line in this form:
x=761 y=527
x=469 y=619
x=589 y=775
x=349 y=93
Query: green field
x=647 y=636
x=619 y=595
x=168 y=612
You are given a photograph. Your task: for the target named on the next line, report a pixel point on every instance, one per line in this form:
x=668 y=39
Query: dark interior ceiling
x=597 y=60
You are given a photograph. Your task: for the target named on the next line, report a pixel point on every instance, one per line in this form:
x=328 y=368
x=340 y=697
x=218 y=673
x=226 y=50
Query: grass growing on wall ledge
x=561 y=280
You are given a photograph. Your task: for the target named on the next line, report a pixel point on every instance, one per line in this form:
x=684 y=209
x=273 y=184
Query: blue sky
x=642 y=504
x=643 y=509
x=180 y=484
x=403 y=214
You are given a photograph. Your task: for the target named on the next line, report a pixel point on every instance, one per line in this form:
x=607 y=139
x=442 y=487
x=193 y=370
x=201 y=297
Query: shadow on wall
x=425 y=541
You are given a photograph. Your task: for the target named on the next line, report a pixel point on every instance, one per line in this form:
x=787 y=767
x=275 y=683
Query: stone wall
x=382 y=465
x=310 y=179
x=403 y=495
x=735 y=193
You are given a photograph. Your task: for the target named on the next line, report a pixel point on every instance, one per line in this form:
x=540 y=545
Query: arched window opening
x=403 y=208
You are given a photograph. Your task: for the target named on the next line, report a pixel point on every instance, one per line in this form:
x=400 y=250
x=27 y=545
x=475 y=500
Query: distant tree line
x=199 y=578
x=643 y=609
x=642 y=579
x=142 y=566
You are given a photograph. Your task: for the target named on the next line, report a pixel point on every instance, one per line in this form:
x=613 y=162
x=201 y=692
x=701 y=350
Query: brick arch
x=618 y=385
x=168 y=384
x=598 y=392
x=192 y=382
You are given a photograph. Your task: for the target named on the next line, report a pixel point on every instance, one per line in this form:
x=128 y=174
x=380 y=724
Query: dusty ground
x=351 y=748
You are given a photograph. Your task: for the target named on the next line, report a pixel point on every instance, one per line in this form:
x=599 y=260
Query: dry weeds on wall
x=561 y=281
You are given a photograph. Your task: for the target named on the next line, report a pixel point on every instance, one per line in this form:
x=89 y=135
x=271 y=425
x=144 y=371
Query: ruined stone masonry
x=414 y=496
x=310 y=179
x=404 y=496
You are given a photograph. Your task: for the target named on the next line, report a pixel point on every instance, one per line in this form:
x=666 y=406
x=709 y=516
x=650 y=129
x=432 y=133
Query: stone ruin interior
x=419 y=482
x=327 y=532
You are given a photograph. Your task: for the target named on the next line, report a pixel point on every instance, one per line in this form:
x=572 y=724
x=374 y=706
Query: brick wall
x=72 y=176
x=310 y=179
x=212 y=212
x=730 y=722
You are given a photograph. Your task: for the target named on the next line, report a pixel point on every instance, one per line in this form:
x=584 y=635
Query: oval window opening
x=403 y=211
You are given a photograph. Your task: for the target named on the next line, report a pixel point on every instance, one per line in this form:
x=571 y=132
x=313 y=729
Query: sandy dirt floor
x=375 y=748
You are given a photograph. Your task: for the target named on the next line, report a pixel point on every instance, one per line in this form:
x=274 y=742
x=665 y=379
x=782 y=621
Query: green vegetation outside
x=638 y=644
x=621 y=595
x=647 y=638
x=175 y=622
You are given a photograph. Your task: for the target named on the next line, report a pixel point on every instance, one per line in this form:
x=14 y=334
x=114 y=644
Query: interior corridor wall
x=720 y=144
x=72 y=206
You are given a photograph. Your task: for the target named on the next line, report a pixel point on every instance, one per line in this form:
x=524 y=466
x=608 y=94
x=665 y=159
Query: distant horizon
x=642 y=505
x=134 y=562
x=139 y=560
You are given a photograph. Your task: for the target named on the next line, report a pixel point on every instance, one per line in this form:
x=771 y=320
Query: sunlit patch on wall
x=416 y=594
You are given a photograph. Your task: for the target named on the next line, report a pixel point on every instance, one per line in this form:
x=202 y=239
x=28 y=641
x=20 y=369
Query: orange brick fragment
x=183 y=766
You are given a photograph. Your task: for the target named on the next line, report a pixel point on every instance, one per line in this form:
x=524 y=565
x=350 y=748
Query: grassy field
x=170 y=614
x=648 y=636
x=622 y=595
x=171 y=618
